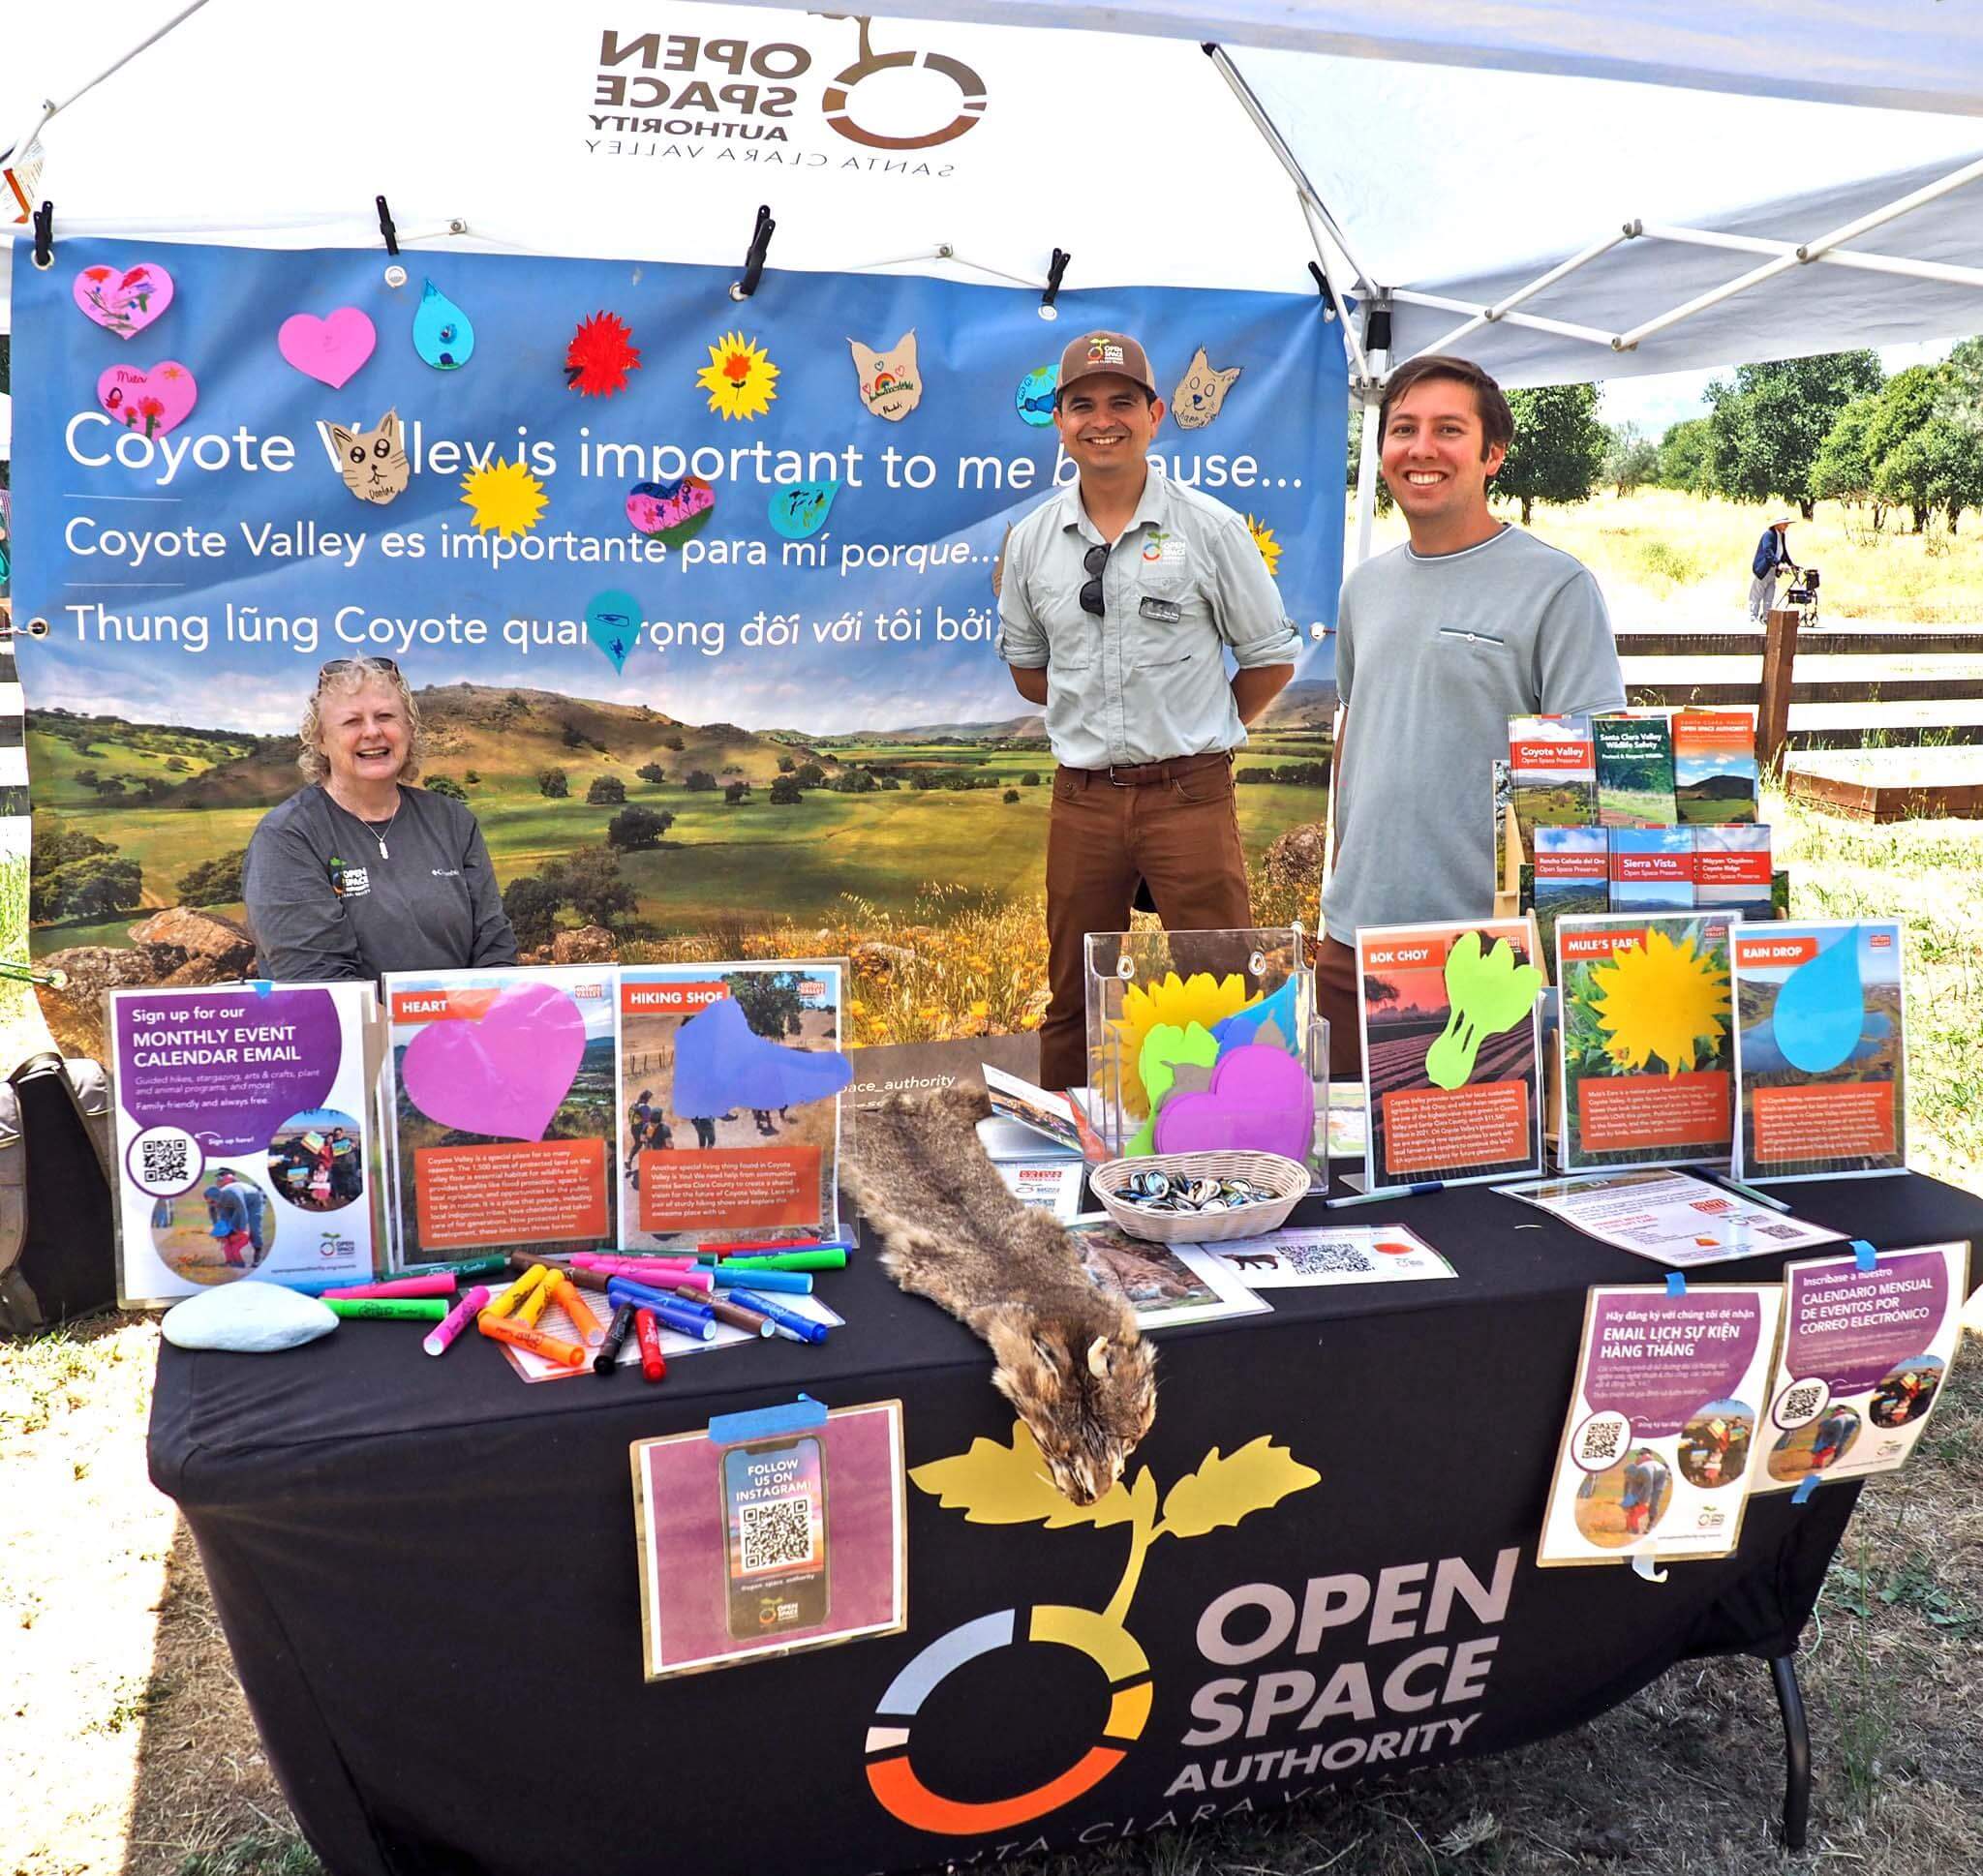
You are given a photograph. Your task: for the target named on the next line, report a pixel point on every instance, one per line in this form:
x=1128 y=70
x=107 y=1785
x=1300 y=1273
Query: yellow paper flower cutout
x=505 y=497
x=1264 y=539
x=1201 y=999
x=1660 y=999
x=739 y=379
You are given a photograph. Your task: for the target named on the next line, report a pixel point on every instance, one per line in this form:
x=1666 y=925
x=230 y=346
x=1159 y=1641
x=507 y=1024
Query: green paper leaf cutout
x=1488 y=996
x=1164 y=1048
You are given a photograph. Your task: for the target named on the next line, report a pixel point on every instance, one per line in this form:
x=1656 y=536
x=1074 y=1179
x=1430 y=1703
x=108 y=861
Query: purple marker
x=465 y=1311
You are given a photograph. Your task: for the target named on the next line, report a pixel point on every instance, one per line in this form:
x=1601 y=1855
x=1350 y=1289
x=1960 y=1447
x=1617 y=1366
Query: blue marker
x=310 y=1283
x=794 y=1283
x=674 y=1311
x=1381 y=1192
x=801 y=1327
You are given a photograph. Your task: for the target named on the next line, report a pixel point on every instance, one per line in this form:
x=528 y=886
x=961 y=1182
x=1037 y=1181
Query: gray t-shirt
x=1434 y=653
x=326 y=907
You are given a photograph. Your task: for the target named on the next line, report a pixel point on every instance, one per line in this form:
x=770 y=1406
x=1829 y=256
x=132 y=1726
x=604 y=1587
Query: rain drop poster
x=634 y=544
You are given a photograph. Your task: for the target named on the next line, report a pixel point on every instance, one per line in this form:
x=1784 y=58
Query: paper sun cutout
x=1264 y=539
x=1201 y=999
x=152 y=402
x=1488 y=996
x=1658 y=999
x=601 y=355
x=124 y=301
x=739 y=379
x=505 y=497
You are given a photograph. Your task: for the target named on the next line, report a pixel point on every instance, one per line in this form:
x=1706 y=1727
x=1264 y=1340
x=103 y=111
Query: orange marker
x=500 y=1328
x=517 y=1292
x=574 y=1306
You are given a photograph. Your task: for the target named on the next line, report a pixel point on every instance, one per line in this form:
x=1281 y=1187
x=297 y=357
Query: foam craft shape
x=1821 y=1009
x=150 y=402
x=720 y=1064
x=801 y=510
x=612 y=621
x=1164 y=1048
x=442 y=334
x=124 y=301
x=1260 y=1101
x=330 y=349
x=1487 y=998
x=503 y=1075
x=672 y=511
x=247 y=1318
x=1186 y=1078
x=1244 y=1026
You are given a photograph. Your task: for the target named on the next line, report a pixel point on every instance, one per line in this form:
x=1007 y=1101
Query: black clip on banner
x=1055 y=269
x=386 y=226
x=45 y=236
x=1328 y=292
x=753 y=262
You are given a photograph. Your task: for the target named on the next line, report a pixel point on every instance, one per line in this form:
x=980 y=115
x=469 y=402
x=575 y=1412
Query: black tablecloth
x=427 y=1573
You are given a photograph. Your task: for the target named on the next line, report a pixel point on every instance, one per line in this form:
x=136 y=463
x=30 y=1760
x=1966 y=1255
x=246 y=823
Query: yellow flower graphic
x=739 y=379
x=1201 y=999
x=505 y=497
x=1264 y=539
x=1660 y=999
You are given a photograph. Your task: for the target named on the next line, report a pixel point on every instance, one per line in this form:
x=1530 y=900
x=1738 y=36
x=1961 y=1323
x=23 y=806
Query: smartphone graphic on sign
x=774 y=1531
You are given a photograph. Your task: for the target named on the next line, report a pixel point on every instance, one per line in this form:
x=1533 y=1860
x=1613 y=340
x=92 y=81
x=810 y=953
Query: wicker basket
x=1287 y=1178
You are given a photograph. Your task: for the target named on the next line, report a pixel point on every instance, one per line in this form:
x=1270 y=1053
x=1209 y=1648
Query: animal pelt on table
x=1069 y=1356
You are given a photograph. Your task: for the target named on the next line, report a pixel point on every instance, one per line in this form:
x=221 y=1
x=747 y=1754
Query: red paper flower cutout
x=601 y=355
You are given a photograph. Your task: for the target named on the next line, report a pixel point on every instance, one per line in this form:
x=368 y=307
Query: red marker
x=653 y=1363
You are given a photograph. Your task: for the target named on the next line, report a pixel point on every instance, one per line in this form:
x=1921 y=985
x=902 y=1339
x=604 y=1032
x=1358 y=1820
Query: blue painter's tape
x=1868 y=1256
x=1676 y=1283
x=262 y=985
x=1806 y=1486
x=794 y=1416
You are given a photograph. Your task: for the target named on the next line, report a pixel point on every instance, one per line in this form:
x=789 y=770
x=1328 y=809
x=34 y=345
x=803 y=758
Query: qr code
x=1764 y=1228
x=1802 y=1401
x=1329 y=1260
x=777 y=1533
x=166 y=1163
x=1602 y=1439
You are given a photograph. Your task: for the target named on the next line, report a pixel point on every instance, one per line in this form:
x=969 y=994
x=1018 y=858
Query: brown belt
x=1141 y=774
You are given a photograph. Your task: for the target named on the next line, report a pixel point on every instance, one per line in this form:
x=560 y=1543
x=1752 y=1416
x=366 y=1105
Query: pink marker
x=642 y=1268
x=443 y=1332
x=440 y=1284
x=599 y=1260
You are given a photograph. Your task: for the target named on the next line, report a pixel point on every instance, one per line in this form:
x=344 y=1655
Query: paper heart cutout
x=503 y=1075
x=1260 y=1101
x=329 y=349
x=674 y=512
x=152 y=402
x=1186 y=1078
x=124 y=300
x=722 y=1063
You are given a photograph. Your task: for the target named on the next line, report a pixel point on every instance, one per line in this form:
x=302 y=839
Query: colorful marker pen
x=824 y=1260
x=685 y=1318
x=653 y=1363
x=387 y=1309
x=644 y=1270
x=738 y=1247
x=456 y=1321
x=574 y=1306
x=734 y=1313
x=476 y=1268
x=498 y=1329
x=795 y=1283
x=532 y=1307
x=517 y=1292
x=440 y=1284
x=585 y=1279
x=612 y=1260
x=801 y=1326
x=618 y=1330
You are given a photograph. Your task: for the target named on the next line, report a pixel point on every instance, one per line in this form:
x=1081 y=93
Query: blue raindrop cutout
x=441 y=333
x=1821 y=1009
x=612 y=621
x=801 y=510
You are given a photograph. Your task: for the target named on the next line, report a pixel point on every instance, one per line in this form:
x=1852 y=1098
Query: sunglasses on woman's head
x=1092 y=562
x=348 y=664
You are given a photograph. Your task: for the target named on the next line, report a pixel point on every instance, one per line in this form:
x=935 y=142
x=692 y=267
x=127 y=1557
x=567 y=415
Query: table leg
x=1797 y=1751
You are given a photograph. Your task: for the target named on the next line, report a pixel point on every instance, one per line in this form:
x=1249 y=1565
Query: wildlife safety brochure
x=1672 y=1218
x=1658 y=1446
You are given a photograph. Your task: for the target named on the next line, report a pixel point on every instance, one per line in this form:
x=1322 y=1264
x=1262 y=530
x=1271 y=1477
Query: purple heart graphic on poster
x=230 y=1077
x=1854 y=1327
x=1260 y=1101
x=1657 y=1358
x=504 y=1073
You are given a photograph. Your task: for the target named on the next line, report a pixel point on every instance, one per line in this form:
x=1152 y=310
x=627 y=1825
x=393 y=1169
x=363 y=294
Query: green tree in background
x=785 y=792
x=1632 y=459
x=1843 y=469
x=1558 y=449
x=1767 y=425
x=445 y=785
x=532 y=905
x=554 y=784
x=607 y=791
x=1687 y=456
x=213 y=882
x=589 y=881
x=769 y=1000
x=637 y=829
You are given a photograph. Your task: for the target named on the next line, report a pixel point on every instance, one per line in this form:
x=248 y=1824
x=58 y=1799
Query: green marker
x=790 y=1260
x=461 y=1266
x=389 y=1309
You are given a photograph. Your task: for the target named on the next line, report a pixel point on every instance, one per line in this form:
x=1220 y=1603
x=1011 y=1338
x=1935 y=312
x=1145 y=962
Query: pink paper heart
x=331 y=349
x=1261 y=1100
x=124 y=300
x=505 y=1074
x=152 y=402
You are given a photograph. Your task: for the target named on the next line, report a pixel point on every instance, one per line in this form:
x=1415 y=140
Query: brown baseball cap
x=1114 y=353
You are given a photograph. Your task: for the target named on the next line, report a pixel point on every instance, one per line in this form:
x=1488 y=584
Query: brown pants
x=1336 y=1000
x=1183 y=836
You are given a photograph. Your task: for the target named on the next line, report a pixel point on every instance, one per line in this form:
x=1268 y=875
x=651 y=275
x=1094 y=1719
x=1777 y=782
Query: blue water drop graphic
x=441 y=333
x=612 y=622
x=1821 y=1009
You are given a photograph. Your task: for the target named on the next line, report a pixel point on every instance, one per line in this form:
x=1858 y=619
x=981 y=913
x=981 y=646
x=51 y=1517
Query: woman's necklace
x=377 y=834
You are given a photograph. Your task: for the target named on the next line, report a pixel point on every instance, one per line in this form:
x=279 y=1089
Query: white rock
x=247 y=1319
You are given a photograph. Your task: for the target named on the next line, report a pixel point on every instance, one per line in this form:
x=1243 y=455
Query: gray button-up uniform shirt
x=1146 y=681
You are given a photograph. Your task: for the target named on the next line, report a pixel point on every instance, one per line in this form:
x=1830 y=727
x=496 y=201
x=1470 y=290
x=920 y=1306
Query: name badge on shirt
x=1166 y=612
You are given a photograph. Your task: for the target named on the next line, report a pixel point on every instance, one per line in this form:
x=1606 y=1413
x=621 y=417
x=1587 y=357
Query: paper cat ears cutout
x=373 y=462
x=891 y=384
x=1200 y=393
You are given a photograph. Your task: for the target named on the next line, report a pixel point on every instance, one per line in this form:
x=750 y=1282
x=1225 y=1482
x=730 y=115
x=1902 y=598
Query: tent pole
x=1377 y=332
x=49 y=108
x=1872 y=263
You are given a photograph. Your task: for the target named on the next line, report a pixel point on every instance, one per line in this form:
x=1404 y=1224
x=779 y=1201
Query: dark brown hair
x=1497 y=420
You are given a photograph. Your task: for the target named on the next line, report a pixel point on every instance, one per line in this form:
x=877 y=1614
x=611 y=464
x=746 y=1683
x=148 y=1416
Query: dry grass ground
x=125 y=1745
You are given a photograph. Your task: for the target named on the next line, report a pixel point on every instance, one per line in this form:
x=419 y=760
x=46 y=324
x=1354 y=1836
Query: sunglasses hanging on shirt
x=1092 y=562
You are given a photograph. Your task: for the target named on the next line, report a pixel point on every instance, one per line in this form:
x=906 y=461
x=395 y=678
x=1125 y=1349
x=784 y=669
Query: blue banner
x=607 y=519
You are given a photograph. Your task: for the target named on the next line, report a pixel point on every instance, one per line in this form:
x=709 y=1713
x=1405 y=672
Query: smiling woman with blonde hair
x=360 y=872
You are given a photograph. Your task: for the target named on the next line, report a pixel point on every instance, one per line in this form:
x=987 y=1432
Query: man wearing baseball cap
x=1121 y=598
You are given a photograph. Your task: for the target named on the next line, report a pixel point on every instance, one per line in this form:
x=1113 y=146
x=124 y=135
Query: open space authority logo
x=1006 y=1485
